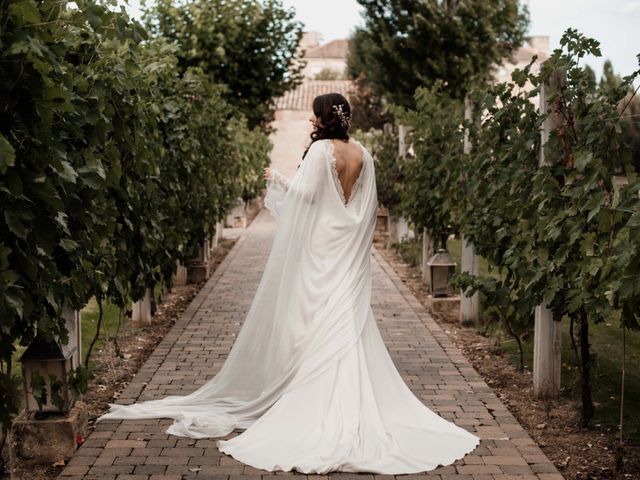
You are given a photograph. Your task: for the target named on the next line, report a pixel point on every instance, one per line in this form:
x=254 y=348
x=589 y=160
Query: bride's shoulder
x=320 y=145
x=365 y=152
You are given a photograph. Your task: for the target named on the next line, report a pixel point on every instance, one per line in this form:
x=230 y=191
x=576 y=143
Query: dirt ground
x=114 y=370
x=580 y=454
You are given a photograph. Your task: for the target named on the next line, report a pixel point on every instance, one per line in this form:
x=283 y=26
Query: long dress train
x=309 y=378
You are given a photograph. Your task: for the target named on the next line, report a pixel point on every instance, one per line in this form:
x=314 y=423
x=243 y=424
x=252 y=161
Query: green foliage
x=114 y=162
x=407 y=44
x=609 y=78
x=368 y=111
x=251 y=153
x=631 y=127
x=499 y=299
x=10 y=396
x=79 y=380
x=565 y=234
x=39 y=388
x=431 y=196
x=409 y=250
x=249 y=46
x=384 y=150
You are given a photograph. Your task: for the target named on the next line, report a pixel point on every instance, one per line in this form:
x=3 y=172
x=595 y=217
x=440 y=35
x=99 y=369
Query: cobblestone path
x=195 y=348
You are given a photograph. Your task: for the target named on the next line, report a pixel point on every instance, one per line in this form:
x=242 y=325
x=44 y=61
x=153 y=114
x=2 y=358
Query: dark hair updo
x=334 y=112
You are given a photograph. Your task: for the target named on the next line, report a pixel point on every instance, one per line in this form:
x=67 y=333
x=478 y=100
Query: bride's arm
x=277 y=187
x=303 y=187
x=275 y=178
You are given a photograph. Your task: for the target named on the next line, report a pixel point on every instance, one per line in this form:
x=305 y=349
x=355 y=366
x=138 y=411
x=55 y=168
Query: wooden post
x=547 y=333
x=470 y=263
x=427 y=252
x=141 y=310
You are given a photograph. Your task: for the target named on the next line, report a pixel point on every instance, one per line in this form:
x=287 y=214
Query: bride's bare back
x=349 y=162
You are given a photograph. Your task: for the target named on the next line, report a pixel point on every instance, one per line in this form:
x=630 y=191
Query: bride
x=309 y=379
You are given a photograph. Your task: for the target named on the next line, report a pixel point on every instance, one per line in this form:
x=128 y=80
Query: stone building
x=329 y=59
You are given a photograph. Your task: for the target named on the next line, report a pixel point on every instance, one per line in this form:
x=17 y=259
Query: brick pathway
x=197 y=345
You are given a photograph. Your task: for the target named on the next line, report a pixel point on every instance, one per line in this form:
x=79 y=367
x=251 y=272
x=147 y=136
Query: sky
x=615 y=23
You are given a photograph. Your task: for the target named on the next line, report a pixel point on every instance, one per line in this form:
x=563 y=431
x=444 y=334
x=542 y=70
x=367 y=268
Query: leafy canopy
x=249 y=46
x=114 y=163
x=406 y=44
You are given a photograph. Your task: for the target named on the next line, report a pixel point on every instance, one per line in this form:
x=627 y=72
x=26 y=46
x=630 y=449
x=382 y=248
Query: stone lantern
x=442 y=268
x=47 y=362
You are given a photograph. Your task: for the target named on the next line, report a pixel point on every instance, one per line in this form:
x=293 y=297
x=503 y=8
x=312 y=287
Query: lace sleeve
x=277 y=187
x=279 y=179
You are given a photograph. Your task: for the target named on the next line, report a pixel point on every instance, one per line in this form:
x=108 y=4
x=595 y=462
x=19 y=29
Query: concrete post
x=180 y=277
x=547 y=333
x=141 y=310
x=427 y=252
x=217 y=236
x=74 y=329
x=403 y=146
x=219 y=231
x=198 y=270
x=206 y=249
x=470 y=263
x=237 y=215
x=547 y=337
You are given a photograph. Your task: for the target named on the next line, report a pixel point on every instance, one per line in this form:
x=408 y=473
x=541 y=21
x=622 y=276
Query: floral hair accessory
x=345 y=120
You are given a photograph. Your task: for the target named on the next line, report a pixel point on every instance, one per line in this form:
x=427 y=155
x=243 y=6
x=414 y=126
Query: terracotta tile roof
x=333 y=49
x=302 y=97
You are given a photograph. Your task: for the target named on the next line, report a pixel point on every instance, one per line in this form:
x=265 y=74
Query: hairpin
x=345 y=120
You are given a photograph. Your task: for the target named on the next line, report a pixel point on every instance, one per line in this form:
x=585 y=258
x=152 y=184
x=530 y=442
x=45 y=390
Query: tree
x=590 y=79
x=567 y=232
x=367 y=105
x=368 y=109
x=249 y=46
x=432 y=187
x=408 y=44
x=629 y=108
x=383 y=147
x=609 y=78
x=114 y=163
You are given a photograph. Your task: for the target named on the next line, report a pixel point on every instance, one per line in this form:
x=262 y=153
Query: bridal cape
x=309 y=377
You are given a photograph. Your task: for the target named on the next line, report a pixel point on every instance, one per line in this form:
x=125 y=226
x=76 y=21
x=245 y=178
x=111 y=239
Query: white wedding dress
x=309 y=377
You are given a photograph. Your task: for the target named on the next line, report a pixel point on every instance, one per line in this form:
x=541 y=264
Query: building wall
x=534 y=46
x=291 y=137
x=316 y=65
